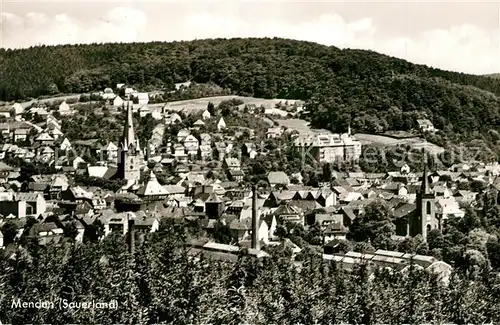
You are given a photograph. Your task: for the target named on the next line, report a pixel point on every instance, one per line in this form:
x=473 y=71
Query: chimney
x=255 y=220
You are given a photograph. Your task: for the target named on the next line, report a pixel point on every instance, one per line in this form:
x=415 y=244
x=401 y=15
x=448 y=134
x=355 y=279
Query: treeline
x=161 y=283
x=372 y=92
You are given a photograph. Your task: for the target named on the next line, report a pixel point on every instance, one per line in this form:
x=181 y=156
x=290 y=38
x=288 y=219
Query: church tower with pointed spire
x=129 y=163
x=426 y=209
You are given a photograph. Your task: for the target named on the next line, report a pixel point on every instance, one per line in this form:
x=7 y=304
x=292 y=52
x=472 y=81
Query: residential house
x=118 y=102
x=425 y=125
x=39 y=183
x=5 y=131
x=176 y=191
x=232 y=164
x=17 y=108
x=334 y=231
x=130 y=92
x=236 y=175
x=144 y=111
x=250 y=150
x=242 y=230
x=58 y=185
x=206 y=151
x=110 y=151
x=51 y=121
x=289 y=213
x=173 y=119
x=156 y=114
x=145 y=224
x=198 y=124
x=77 y=194
x=221 y=125
x=180 y=153
x=64 y=109
x=45 y=154
x=325 y=197
x=46 y=233
x=205 y=139
x=220 y=150
x=65 y=145
x=182 y=135
x=143 y=98
x=206 y=115
x=54 y=132
x=182 y=85
x=274 y=132
x=108 y=94
x=214 y=206
x=5 y=111
x=77 y=162
x=21 y=134
x=44 y=139
x=465 y=197
x=116 y=222
x=447 y=208
x=23 y=205
x=191 y=145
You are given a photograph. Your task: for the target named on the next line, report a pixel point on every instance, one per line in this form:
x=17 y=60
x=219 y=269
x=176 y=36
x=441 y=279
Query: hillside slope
x=371 y=91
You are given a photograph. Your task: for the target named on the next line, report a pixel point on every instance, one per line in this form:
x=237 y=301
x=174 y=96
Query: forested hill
x=373 y=91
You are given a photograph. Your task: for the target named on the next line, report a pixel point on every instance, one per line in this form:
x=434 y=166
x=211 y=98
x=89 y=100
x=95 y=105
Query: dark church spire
x=425 y=189
x=128 y=130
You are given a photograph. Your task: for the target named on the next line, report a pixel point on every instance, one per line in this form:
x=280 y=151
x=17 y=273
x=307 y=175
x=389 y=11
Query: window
x=429 y=227
x=428 y=207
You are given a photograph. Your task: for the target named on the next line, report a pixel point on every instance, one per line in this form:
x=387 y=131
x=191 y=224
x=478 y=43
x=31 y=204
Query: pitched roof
x=404 y=210
x=213 y=198
x=79 y=193
x=152 y=187
x=28 y=197
x=44 y=137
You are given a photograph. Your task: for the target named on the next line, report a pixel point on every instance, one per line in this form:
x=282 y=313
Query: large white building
x=330 y=148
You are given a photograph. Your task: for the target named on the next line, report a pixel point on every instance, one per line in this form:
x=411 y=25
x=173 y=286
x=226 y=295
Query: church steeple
x=425 y=189
x=128 y=138
x=129 y=163
x=427 y=214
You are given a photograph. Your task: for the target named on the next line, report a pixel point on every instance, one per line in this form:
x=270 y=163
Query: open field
x=191 y=105
x=415 y=142
x=383 y=140
x=52 y=100
x=299 y=125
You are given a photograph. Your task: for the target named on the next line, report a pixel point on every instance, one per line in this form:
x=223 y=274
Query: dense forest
x=161 y=283
x=373 y=92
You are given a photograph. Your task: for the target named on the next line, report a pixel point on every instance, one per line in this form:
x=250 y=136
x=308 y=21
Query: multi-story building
x=330 y=148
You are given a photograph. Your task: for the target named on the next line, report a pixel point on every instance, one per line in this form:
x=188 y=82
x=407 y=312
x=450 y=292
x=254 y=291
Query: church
x=419 y=218
x=130 y=157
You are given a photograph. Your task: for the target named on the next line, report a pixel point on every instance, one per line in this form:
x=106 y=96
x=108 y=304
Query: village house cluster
x=419 y=202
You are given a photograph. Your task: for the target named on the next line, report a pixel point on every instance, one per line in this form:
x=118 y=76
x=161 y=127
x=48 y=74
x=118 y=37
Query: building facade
x=330 y=148
x=130 y=155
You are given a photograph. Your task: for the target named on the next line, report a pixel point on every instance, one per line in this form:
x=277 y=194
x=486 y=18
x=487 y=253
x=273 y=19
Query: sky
x=453 y=35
